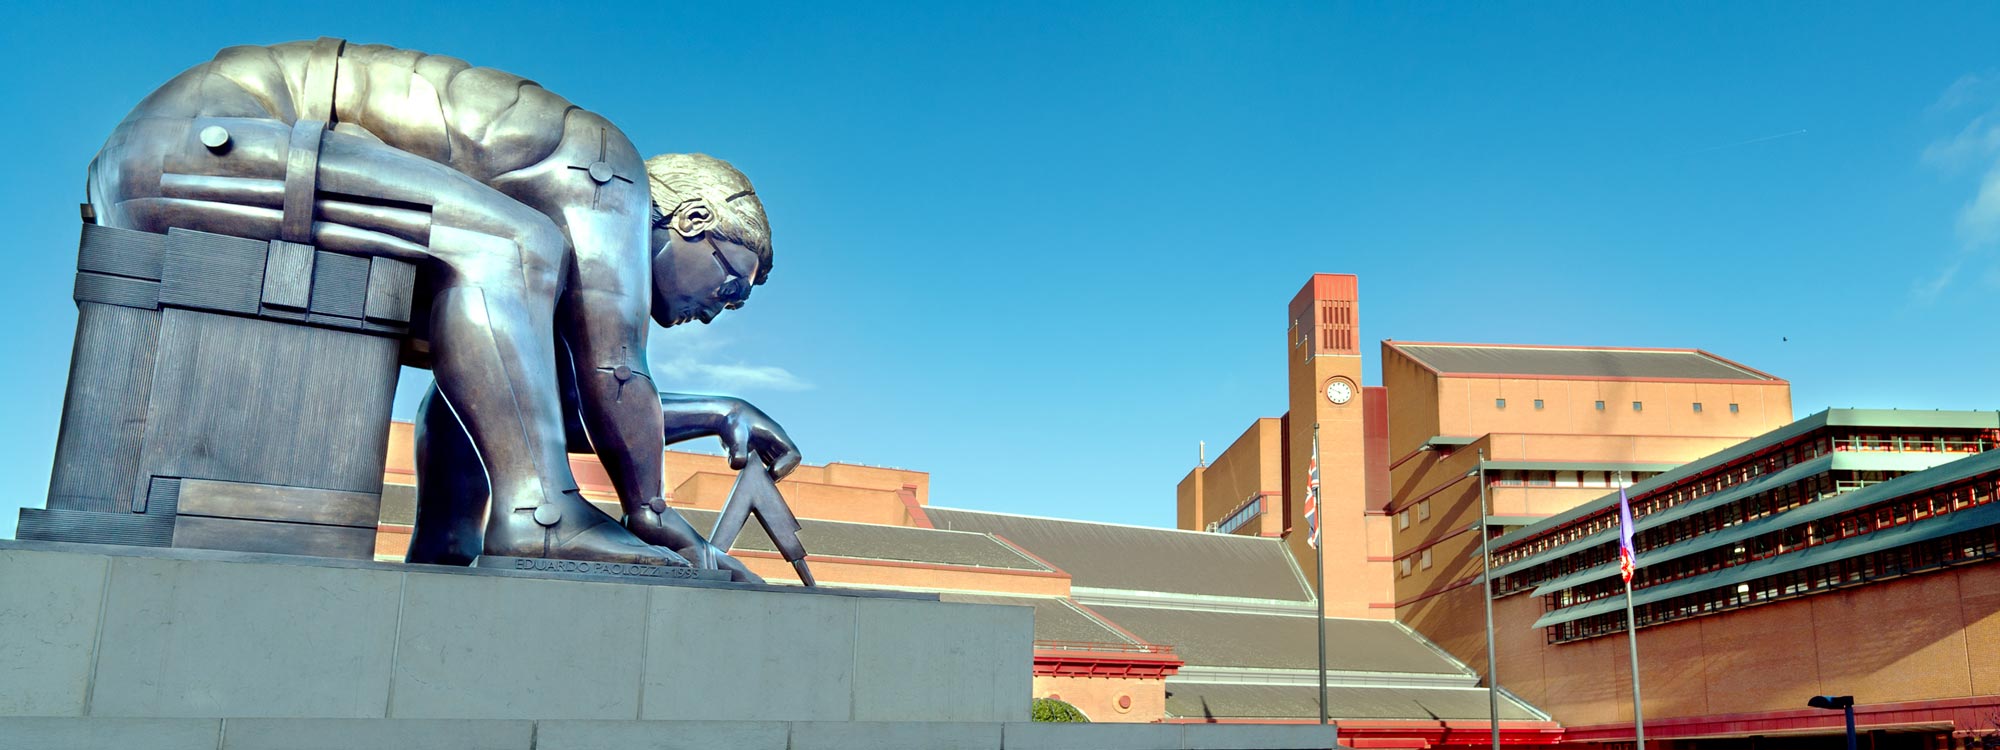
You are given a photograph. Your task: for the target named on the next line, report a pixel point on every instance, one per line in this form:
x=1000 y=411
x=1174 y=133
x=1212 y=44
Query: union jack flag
x=1627 y=557
x=1312 y=495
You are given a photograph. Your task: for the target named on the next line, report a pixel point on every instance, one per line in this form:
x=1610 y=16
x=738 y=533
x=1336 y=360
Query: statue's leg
x=451 y=489
x=495 y=268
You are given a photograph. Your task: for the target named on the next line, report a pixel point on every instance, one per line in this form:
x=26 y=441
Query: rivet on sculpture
x=312 y=213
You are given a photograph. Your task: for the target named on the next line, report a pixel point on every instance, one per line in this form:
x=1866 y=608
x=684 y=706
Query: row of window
x=1769 y=462
x=1853 y=523
x=1501 y=403
x=1970 y=546
x=1242 y=516
x=1423 y=559
x=1743 y=510
x=1423 y=508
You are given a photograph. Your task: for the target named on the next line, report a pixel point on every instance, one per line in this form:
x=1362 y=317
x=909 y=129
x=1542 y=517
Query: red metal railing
x=1120 y=648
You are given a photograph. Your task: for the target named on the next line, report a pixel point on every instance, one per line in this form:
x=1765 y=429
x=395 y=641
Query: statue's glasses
x=734 y=289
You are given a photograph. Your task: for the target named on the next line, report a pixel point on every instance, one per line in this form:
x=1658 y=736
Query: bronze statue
x=543 y=245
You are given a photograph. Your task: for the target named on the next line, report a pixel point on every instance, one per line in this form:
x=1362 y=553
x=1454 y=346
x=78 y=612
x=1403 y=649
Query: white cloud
x=1971 y=88
x=1975 y=147
x=692 y=357
x=1979 y=221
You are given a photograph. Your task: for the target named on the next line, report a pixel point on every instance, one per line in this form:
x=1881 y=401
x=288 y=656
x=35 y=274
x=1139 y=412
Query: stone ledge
x=460 y=734
x=108 y=632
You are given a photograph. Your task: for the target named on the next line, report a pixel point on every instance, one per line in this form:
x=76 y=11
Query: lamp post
x=1844 y=702
x=1486 y=578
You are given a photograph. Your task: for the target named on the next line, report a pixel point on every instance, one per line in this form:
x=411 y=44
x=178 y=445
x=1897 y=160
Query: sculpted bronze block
x=511 y=241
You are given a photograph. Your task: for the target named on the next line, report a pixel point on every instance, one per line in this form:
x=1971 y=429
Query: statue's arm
x=743 y=429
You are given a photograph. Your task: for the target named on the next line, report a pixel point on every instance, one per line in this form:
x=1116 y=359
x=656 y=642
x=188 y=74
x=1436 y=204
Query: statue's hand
x=747 y=429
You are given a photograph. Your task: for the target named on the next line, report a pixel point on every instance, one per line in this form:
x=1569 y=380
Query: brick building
x=1845 y=553
x=1848 y=553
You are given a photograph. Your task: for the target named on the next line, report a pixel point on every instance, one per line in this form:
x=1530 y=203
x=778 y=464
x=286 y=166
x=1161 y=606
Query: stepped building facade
x=1850 y=552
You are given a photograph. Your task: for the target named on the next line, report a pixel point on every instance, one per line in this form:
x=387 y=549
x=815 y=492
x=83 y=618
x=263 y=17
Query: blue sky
x=1040 y=250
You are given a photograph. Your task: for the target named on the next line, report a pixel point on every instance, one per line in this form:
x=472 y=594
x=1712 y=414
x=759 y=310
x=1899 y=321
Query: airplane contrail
x=1800 y=131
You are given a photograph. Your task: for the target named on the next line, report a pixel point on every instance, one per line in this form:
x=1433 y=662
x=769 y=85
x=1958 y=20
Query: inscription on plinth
x=589 y=568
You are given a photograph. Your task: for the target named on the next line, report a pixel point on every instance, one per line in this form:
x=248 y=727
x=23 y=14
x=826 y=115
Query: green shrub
x=1050 y=709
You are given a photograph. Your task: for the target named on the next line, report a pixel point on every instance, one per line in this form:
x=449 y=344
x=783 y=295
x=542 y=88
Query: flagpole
x=1486 y=576
x=1632 y=637
x=1319 y=577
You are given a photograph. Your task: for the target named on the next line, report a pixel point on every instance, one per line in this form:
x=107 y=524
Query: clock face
x=1339 y=391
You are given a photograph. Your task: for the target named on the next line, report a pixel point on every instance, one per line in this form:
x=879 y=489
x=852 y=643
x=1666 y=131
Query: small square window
x=1600 y=406
x=1423 y=510
x=1697 y=407
x=1638 y=406
x=1405 y=563
x=1499 y=403
x=1538 y=404
x=1732 y=408
x=1403 y=520
x=1425 y=560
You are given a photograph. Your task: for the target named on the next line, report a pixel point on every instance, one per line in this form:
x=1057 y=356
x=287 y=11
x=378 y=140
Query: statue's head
x=711 y=242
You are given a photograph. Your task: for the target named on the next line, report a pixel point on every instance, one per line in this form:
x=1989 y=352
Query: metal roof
x=1136 y=558
x=1911 y=533
x=1267 y=641
x=1884 y=418
x=877 y=542
x=1633 y=364
x=1056 y=619
x=1193 y=700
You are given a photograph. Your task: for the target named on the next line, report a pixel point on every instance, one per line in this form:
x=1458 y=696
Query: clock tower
x=1323 y=359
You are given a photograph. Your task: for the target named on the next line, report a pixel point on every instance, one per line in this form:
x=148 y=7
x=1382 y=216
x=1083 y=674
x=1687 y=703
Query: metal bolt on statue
x=543 y=245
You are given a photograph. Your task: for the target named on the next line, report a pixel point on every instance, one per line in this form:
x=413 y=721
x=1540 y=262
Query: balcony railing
x=1119 y=648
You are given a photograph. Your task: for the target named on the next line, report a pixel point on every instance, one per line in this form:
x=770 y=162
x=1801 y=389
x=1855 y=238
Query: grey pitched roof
x=832 y=538
x=1639 y=364
x=876 y=542
x=1056 y=619
x=1194 y=700
x=1109 y=556
x=1268 y=641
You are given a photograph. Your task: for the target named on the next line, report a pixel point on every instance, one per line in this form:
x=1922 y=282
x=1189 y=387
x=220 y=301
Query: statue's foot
x=571 y=529
x=651 y=527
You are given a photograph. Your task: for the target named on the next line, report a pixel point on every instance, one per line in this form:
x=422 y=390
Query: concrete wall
x=415 y=734
x=208 y=635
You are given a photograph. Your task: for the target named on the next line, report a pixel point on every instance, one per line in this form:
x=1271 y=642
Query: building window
x=1423 y=510
x=1600 y=406
x=1697 y=407
x=1402 y=520
x=1405 y=563
x=1499 y=403
x=1732 y=408
x=1638 y=406
x=1538 y=404
x=1425 y=561
x=1242 y=516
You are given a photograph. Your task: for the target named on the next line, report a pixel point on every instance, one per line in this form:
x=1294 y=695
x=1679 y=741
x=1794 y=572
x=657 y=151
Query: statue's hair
x=678 y=178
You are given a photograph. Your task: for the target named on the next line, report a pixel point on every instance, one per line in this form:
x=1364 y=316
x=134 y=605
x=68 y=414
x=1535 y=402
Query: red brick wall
x=1929 y=637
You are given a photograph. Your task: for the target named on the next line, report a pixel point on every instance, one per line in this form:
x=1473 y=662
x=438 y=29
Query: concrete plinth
x=500 y=734
x=105 y=631
x=134 y=647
